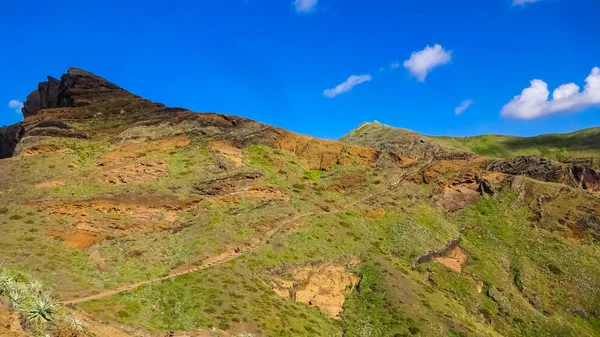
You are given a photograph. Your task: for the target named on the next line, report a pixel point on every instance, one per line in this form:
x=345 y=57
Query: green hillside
x=566 y=147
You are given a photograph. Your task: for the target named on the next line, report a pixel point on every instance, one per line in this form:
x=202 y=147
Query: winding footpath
x=229 y=257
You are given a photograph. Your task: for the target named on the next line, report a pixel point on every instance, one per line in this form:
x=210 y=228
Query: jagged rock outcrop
x=75 y=88
x=533 y=167
x=548 y=170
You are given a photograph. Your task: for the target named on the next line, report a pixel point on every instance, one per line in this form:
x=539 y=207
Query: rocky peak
x=75 y=88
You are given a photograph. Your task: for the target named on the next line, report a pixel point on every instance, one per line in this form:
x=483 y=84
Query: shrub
x=29 y=298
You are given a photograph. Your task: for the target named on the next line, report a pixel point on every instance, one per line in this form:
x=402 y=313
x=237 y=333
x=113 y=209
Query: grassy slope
x=578 y=144
x=522 y=295
x=534 y=278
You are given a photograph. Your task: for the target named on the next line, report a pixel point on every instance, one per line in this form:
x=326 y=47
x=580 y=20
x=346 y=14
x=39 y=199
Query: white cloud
x=464 y=105
x=305 y=6
x=523 y=2
x=534 y=101
x=347 y=85
x=15 y=105
x=422 y=62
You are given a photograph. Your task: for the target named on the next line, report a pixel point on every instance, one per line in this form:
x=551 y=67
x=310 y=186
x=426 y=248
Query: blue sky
x=291 y=63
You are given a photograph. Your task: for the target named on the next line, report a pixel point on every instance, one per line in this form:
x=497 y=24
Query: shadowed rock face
x=75 y=88
x=550 y=171
x=9 y=138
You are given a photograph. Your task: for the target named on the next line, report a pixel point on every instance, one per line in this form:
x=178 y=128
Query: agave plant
x=75 y=324
x=41 y=311
x=16 y=297
x=35 y=287
x=5 y=284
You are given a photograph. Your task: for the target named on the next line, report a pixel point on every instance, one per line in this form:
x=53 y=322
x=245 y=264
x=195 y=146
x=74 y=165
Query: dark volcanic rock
x=587 y=177
x=533 y=167
x=546 y=170
x=9 y=138
x=76 y=88
x=46 y=96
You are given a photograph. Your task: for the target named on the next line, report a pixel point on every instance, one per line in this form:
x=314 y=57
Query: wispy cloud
x=347 y=85
x=392 y=66
x=523 y=2
x=534 y=101
x=424 y=61
x=15 y=105
x=464 y=105
x=305 y=6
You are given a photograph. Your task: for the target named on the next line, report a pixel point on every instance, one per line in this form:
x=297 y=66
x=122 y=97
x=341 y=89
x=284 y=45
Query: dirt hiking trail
x=228 y=257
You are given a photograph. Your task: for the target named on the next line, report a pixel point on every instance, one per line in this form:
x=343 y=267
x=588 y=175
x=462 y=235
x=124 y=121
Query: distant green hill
x=578 y=146
x=582 y=144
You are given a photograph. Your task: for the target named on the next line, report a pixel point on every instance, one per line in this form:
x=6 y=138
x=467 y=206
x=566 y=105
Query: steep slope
x=166 y=222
